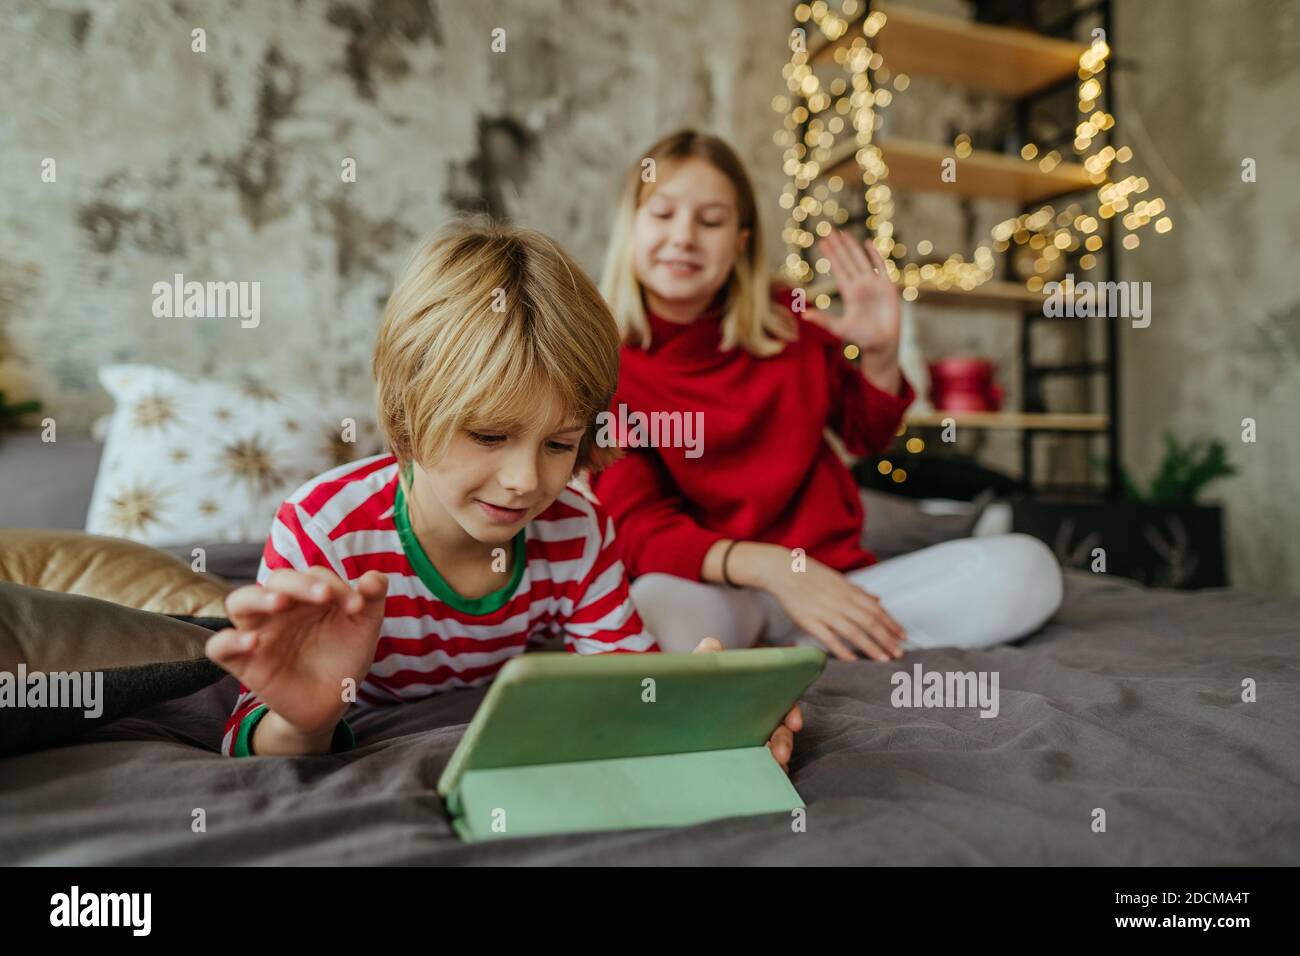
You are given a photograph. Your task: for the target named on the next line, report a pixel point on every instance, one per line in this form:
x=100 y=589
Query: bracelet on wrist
x=725 y=576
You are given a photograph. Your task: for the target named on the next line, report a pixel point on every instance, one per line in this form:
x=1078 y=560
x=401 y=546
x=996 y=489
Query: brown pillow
x=895 y=525
x=111 y=569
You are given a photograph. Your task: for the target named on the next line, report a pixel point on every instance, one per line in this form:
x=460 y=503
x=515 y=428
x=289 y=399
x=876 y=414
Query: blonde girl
x=759 y=536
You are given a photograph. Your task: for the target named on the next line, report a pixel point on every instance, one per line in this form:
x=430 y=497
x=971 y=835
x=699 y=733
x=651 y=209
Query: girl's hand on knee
x=781 y=743
x=847 y=620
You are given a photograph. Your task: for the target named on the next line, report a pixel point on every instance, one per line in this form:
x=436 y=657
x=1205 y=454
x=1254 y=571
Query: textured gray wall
x=226 y=165
x=1219 y=81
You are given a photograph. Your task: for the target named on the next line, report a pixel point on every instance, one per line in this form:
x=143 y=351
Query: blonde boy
x=426 y=569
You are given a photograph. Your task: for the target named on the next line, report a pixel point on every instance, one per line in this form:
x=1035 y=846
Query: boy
x=426 y=569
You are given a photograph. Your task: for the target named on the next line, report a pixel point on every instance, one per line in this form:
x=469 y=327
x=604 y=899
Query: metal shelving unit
x=1033 y=373
x=1032 y=68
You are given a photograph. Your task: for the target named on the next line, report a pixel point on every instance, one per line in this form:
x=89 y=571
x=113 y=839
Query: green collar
x=435 y=581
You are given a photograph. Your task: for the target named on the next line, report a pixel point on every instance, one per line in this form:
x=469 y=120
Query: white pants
x=969 y=592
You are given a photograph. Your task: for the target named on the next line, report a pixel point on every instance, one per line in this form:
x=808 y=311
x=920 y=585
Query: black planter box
x=1169 y=546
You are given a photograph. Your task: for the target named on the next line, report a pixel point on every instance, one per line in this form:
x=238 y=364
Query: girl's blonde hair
x=749 y=319
x=488 y=327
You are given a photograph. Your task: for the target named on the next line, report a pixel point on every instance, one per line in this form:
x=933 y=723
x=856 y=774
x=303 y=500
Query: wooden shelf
x=1019 y=421
x=978 y=56
x=914 y=165
x=1003 y=61
x=994 y=294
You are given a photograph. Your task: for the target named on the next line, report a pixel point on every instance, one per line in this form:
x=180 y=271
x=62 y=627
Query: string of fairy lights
x=851 y=105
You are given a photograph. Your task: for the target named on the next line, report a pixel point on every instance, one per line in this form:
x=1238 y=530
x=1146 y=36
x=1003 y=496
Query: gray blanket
x=1128 y=701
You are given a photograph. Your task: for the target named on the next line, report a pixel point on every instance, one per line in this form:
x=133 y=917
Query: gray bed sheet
x=1129 y=700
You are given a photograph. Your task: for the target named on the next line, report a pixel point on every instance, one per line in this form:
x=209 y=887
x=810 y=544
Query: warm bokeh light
x=828 y=134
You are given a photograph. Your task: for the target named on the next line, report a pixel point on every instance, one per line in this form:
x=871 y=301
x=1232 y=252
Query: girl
x=760 y=536
x=426 y=569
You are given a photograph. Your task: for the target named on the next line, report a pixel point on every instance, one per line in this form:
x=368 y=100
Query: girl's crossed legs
x=969 y=592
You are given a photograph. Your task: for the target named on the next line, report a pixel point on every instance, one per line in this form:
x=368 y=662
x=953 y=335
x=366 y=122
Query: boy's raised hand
x=298 y=637
x=781 y=743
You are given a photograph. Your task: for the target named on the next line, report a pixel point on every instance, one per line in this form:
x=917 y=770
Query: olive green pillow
x=70 y=663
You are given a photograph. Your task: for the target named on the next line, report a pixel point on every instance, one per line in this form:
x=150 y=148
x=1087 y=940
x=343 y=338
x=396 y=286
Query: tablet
x=568 y=742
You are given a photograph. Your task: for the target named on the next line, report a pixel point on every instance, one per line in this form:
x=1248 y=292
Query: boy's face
x=687 y=235
x=491 y=482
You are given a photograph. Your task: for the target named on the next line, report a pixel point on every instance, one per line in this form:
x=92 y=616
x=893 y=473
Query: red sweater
x=766 y=472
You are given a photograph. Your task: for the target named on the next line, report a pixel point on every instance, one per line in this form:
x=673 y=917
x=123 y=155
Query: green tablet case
x=566 y=742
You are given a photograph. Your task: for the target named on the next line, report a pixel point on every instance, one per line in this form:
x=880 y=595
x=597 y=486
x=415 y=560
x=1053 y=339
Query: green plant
x=11 y=413
x=1183 y=472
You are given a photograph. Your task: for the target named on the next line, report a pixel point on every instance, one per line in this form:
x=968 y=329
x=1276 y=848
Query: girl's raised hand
x=871 y=313
x=298 y=638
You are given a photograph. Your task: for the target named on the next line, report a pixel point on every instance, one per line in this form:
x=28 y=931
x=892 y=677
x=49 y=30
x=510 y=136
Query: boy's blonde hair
x=749 y=319
x=487 y=323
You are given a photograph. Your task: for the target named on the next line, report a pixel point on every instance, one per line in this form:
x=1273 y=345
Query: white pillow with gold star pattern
x=188 y=461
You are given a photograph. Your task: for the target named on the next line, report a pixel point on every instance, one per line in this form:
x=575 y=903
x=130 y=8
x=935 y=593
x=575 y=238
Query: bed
x=1130 y=700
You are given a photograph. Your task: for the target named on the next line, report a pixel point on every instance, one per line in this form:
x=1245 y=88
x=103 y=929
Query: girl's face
x=491 y=482
x=686 y=239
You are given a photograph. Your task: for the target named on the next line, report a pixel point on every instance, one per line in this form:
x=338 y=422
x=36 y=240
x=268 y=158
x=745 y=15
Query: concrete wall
x=1218 y=82
x=225 y=165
